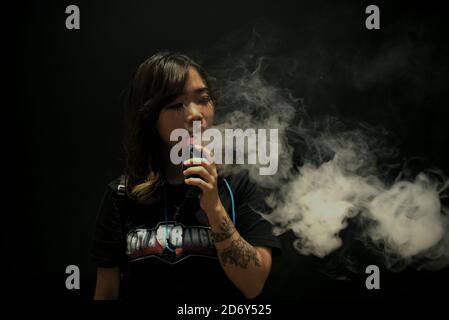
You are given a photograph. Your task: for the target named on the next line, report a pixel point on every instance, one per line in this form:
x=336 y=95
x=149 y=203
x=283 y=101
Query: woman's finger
x=210 y=167
x=205 y=153
x=199 y=170
x=203 y=185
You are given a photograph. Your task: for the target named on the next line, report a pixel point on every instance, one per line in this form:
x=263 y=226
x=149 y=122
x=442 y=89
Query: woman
x=154 y=239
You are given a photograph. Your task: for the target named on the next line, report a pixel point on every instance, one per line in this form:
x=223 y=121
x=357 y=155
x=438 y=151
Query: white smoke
x=338 y=180
x=409 y=219
x=258 y=105
x=317 y=204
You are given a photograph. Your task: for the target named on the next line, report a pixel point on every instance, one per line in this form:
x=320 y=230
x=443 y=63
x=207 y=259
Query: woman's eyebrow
x=198 y=90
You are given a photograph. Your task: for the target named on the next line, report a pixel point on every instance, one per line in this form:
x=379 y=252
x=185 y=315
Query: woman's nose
x=193 y=112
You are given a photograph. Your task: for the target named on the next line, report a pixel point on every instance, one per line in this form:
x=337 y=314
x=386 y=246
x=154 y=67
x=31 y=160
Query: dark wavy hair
x=157 y=81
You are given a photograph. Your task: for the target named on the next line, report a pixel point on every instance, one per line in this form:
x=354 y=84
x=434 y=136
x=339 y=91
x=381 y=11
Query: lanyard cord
x=232 y=200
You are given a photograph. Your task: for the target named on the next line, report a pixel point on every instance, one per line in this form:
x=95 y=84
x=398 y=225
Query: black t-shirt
x=166 y=258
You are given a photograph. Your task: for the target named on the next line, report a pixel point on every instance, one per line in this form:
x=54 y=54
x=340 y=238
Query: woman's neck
x=173 y=173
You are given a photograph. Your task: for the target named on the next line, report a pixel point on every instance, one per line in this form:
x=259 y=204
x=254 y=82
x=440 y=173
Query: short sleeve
x=249 y=201
x=108 y=244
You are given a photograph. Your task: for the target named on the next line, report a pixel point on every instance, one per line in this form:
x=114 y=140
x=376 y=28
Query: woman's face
x=194 y=104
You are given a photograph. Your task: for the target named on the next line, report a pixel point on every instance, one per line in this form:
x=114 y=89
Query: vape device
x=194 y=190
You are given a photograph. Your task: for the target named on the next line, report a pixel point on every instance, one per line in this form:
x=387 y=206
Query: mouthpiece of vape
x=194 y=191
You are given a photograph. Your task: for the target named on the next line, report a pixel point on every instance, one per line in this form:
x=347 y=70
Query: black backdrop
x=66 y=139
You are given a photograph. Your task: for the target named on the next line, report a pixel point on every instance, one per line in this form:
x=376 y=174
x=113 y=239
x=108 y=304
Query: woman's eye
x=204 y=100
x=175 y=106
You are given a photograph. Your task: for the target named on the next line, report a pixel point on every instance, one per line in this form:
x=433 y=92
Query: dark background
x=65 y=133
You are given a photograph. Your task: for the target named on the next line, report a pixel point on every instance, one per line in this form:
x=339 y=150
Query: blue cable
x=232 y=200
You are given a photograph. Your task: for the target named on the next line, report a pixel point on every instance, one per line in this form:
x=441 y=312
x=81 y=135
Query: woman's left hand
x=204 y=167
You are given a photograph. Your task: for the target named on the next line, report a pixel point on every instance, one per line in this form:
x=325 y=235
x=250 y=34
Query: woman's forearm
x=246 y=266
x=108 y=284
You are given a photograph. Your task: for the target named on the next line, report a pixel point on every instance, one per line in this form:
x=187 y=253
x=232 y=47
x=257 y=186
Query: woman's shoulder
x=241 y=182
x=117 y=184
x=113 y=184
x=112 y=188
x=237 y=178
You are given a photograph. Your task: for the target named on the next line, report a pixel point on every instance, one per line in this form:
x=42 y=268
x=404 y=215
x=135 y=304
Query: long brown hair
x=156 y=82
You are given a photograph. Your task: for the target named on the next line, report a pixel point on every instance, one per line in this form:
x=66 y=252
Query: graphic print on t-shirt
x=170 y=242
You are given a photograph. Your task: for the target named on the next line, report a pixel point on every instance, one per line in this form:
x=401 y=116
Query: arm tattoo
x=226 y=230
x=240 y=253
